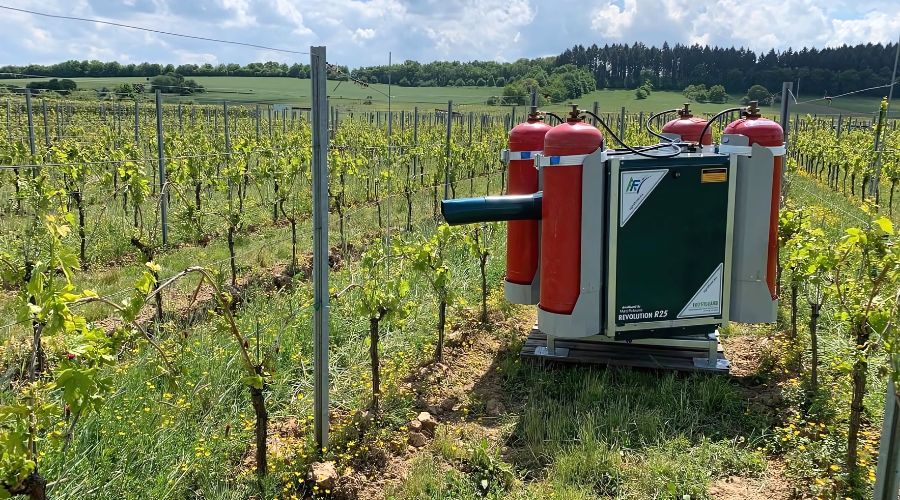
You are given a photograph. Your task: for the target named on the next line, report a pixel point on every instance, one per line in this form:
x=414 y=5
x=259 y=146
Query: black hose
x=631 y=149
x=714 y=118
x=655 y=133
x=558 y=119
x=650 y=148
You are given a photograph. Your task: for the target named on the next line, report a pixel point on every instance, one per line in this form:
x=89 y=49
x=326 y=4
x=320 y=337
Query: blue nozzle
x=492 y=208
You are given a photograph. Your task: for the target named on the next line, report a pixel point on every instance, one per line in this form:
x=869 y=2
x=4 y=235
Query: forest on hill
x=825 y=71
x=831 y=70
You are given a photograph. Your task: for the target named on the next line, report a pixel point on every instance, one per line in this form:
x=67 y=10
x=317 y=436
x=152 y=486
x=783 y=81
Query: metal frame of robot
x=751 y=165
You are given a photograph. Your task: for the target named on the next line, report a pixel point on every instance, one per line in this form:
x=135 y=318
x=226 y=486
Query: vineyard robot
x=637 y=256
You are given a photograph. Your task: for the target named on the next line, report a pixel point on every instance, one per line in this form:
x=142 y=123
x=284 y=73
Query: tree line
x=63 y=86
x=454 y=73
x=169 y=83
x=562 y=83
x=76 y=69
x=827 y=71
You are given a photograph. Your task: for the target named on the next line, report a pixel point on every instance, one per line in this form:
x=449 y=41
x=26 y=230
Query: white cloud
x=291 y=13
x=426 y=30
x=351 y=10
x=362 y=34
x=39 y=40
x=874 y=26
x=790 y=23
x=611 y=21
x=477 y=28
x=757 y=26
x=677 y=9
x=242 y=16
x=189 y=57
x=98 y=52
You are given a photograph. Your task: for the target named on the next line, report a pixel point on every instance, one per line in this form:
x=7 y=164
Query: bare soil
x=748 y=353
x=770 y=486
x=463 y=392
x=467 y=375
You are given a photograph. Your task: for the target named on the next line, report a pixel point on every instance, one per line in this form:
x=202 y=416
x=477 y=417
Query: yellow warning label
x=714 y=175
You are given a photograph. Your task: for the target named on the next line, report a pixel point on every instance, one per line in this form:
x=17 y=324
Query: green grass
x=114 y=264
x=297 y=91
x=350 y=96
x=161 y=438
x=809 y=455
x=577 y=432
x=613 y=100
x=594 y=432
x=631 y=434
x=157 y=437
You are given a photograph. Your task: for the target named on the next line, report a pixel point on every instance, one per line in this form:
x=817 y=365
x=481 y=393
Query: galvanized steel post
x=887 y=477
x=46 y=125
x=447 y=150
x=137 y=123
x=161 y=158
x=319 y=114
x=30 y=123
x=785 y=123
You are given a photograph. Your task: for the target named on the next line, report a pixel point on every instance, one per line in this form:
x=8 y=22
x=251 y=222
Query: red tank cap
x=759 y=130
x=688 y=127
x=528 y=136
x=574 y=137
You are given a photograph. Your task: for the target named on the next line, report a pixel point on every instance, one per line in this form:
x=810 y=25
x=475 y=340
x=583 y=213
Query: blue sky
x=361 y=32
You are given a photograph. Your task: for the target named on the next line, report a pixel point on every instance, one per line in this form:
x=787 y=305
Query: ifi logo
x=634 y=184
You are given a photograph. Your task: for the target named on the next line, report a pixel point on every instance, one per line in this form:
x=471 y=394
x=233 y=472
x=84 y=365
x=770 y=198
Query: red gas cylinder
x=561 y=212
x=688 y=127
x=525 y=140
x=766 y=133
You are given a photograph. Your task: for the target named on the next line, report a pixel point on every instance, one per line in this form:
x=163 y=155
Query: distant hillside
x=828 y=71
x=98 y=69
x=820 y=71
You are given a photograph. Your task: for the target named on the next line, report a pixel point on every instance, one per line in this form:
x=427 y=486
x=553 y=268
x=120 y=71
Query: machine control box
x=669 y=246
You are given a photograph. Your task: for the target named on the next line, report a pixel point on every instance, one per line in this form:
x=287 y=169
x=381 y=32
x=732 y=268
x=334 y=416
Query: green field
x=351 y=96
x=505 y=428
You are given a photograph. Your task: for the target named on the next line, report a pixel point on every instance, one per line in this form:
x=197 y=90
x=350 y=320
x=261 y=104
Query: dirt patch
x=394 y=472
x=747 y=353
x=772 y=485
x=464 y=391
x=750 y=355
x=464 y=386
x=284 y=437
x=336 y=260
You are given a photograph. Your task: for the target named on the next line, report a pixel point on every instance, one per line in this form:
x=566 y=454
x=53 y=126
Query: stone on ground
x=323 y=474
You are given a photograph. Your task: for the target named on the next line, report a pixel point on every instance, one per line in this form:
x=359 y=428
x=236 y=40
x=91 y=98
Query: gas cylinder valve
x=575 y=114
x=688 y=128
x=752 y=110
